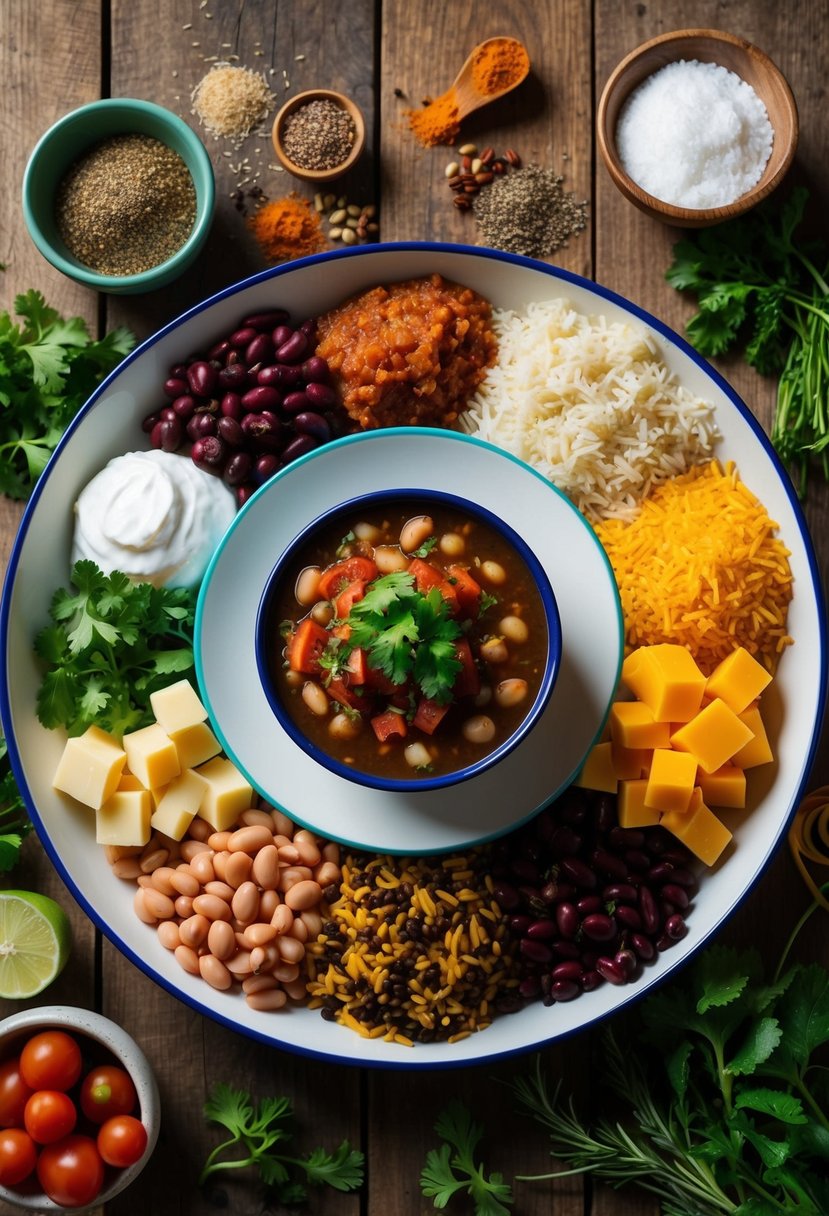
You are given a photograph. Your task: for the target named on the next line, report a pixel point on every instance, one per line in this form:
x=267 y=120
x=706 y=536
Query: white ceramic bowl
x=409 y=818
x=110 y=424
x=105 y=1038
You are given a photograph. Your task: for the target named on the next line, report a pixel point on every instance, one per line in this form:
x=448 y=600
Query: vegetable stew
x=408 y=638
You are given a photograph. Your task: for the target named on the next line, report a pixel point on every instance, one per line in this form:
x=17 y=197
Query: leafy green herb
x=405 y=633
x=451 y=1169
x=48 y=368
x=426 y=548
x=261 y=1132
x=486 y=602
x=344 y=547
x=725 y=1109
x=112 y=644
x=14 y=818
x=754 y=280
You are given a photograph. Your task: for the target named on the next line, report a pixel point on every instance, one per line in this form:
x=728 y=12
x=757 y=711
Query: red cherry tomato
x=14 y=1094
x=107 y=1091
x=49 y=1116
x=71 y=1171
x=51 y=1060
x=18 y=1155
x=122 y=1140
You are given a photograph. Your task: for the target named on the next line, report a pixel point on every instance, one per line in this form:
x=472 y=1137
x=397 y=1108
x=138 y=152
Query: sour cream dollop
x=154 y=516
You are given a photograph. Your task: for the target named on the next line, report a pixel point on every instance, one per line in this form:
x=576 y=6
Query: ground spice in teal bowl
x=126 y=205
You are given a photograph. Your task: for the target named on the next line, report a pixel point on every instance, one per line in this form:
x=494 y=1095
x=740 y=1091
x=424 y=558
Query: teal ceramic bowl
x=69 y=139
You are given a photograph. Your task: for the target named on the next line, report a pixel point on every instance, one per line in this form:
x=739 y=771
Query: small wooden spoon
x=468 y=93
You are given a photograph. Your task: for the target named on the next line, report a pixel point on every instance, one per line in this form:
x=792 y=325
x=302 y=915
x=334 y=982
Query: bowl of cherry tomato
x=79 y=1109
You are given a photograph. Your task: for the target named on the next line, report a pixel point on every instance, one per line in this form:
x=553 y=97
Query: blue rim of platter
x=366 y=502
x=637 y=991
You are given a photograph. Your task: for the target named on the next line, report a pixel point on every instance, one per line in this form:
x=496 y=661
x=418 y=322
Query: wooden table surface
x=58 y=54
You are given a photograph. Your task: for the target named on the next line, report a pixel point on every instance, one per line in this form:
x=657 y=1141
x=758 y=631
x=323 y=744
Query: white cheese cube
x=180 y=803
x=151 y=756
x=129 y=782
x=177 y=706
x=124 y=819
x=195 y=744
x=227 y=793
x=90 y=767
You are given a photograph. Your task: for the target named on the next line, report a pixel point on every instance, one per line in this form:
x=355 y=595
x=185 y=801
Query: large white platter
x=110 y=424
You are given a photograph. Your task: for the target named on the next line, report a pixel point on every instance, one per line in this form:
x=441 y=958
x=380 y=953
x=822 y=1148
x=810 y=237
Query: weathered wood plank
x=546 y=120
x=37 y=62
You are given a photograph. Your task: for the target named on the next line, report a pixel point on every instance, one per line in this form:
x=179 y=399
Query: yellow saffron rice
x=414 y=949
x=701 y=565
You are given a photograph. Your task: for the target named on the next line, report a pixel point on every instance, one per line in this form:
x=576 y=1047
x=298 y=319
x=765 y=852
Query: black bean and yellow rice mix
x=415 y=950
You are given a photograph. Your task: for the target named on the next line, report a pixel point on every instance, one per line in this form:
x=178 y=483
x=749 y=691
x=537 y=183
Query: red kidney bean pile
x=589 y=900
x=255 y=401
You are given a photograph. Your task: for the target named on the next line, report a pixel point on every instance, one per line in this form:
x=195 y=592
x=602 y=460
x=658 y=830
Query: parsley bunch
x=14 y=818
x=725 y=1104
x=48 y=368
x=756 y=280
x=405 y=634
x=113 y=642
x=261 y=1131
x=451 y=1169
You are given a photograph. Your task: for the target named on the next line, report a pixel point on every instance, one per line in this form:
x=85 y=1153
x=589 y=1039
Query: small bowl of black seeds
x=319 y=135
x=119 y=195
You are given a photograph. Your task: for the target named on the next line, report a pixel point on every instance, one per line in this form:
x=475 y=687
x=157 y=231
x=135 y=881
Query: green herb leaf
x=49 y=366
x=405 y=634
x=256 y=1131
x=111 y=645
x=786 y=1108
x=762 y=1038
x=451 y=1168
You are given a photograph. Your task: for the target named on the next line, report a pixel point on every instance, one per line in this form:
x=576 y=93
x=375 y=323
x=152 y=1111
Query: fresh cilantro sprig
x=405 y=633
x=724 y=1101
x=112 y=644
x=48 y=368
x=451 y=1169
x=260 y=1132
x=14 y=818
x=759 y=284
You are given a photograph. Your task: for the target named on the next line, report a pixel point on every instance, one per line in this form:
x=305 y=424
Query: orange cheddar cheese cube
x=633 y=726
x=713 y=737
x=666 y=678
x=670 y=781
x=598 y=772
x=700 y=830
x=738 y=680
x=631 y=808
x=630 y=763
x=758 y=749
x=726 y=786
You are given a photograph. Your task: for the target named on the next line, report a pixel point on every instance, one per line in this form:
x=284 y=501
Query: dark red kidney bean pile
x=255 y=401
x=588 y=900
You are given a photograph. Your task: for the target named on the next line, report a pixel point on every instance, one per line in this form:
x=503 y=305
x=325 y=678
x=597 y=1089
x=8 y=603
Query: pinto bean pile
x=236 y=907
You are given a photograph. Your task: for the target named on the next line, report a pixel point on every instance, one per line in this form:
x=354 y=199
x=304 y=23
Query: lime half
x=34 y=943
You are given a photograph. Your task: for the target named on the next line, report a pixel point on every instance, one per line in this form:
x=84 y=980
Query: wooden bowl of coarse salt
x=697 y=126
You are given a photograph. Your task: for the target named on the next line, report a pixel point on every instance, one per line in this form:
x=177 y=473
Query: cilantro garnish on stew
x=405 y=633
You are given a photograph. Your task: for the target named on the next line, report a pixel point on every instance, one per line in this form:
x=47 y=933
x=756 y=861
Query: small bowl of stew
x=408 y=640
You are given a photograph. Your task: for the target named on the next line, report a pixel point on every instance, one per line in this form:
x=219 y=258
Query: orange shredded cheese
x=701 y=565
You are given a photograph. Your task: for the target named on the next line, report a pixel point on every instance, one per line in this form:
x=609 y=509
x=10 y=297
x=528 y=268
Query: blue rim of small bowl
x=364 y=502
x=556 y=274
x=198 y=164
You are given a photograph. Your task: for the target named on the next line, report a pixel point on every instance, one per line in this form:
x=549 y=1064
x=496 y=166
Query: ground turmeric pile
x=287 y=228
x=500 y=63
x=437 y=123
